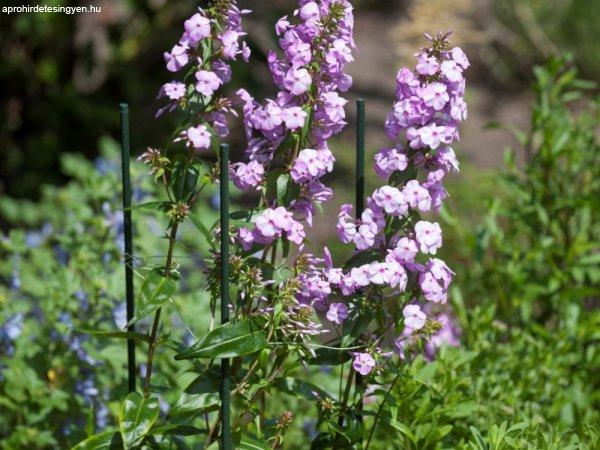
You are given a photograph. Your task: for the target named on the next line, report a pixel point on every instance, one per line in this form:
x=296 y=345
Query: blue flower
x=105 y=166
x=12 y=328
x=87 y=389
x=120 y=315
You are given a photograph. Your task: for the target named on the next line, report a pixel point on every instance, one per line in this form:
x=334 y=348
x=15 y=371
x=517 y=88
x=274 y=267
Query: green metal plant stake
x=126 y=180
x=360 y=199
x=225 y=381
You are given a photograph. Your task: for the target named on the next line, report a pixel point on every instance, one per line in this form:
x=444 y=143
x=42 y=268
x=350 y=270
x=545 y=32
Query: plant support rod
x=225 y=388
x=128 y=231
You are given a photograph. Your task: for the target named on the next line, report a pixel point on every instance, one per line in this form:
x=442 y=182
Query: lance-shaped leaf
x=201 y=395
x=177 y=430
x=138 y=414
x=184 y=180
x=155 y=291
x=299 y=388
x=360 y=258
x=248 y=443
x=109 y=440
x=329 y=357
x=227 y=341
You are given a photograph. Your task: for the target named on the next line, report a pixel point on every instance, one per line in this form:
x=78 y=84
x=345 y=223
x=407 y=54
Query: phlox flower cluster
x=212 y=38
x=272 y=224
x=426 y=116
x=291 y=130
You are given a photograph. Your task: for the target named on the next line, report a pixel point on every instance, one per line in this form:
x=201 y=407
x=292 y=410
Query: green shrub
x=61 y=273
x=536 y=253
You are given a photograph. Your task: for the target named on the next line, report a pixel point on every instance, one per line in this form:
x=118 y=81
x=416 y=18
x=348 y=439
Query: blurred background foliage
x=62 y=76
x=521 y=228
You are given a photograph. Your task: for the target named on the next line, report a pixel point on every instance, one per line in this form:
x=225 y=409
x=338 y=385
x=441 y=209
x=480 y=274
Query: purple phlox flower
x=334 y=106
x=458 y=108
x=417 y=196
x=247 y=176
x=296 y=233
x=364 y=238
x=432 y=135
x=196 y=137
x=197 y=28
x=446 y=159
x=407 y=83
x=435 y=281
x=459 y=56
x=173 y=90
x=396 y=275
x=452 y=71
x=294 y=117
x=378 y=273
x=311 y=164
x=298 y=52
x=230 y=42
x=414 y=318
x=222 y=70
x=435 y=95
x=310 y=11
x=272 y=223
x=177 y=58
x=363 y=363
x=406 y=249
x=207 y=82
x=245 y=238
x=427 y=65
x=337 y=313
x=391 y=200
x=428 y=236
x=388 y=161
x=297 y=81
x=282 y=25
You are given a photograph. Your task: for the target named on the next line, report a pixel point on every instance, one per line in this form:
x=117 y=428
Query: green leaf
x=244 y=215
x=480 y=441
x=201 y=395
x=282 y=188
x=464 y=409
x=248 y=443
x=138 y=414
x=299 y=388
x=156 y=206
x=155 y=291
x=184 y=180
x=272 y=183
x=178 y=430
x=329 y=357
x=140 y=337
x=362 y=258
x=227 y=341
x=109 y=440
x=405 y=431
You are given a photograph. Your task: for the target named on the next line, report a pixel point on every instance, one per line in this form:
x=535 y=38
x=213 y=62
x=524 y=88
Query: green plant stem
x=379 y=409
x=155 y=324
x=346 y=397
